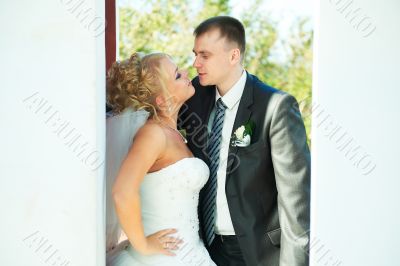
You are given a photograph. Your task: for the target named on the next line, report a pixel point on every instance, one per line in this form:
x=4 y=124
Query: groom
x=255 y=207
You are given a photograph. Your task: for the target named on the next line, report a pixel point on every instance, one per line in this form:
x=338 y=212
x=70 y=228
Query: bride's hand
x=162 y=243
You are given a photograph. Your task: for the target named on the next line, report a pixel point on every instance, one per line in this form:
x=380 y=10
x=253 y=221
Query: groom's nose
x=196 y=63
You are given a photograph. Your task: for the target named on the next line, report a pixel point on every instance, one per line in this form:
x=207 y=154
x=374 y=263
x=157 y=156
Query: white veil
x=120 y=130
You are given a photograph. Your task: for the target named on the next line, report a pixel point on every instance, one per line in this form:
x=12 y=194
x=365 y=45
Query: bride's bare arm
x=149 y=145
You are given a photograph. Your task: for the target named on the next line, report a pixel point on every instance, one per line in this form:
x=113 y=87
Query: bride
x=155 y=192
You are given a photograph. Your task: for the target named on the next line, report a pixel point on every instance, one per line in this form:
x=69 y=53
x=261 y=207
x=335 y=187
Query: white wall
x=52 y=83
x=52 y=69
x=355 y=188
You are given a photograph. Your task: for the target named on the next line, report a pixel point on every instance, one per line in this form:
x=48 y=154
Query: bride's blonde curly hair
x=136 y=82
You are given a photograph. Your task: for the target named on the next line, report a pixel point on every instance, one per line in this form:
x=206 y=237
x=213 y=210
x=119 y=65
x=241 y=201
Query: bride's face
x=178 y=83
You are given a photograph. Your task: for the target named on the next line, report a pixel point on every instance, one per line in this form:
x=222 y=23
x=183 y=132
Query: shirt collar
x=232 y=97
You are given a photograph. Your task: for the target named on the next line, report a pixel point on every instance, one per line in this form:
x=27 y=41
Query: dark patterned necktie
x=208 y=203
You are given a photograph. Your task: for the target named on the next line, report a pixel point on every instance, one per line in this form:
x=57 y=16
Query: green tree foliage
x=167 y=26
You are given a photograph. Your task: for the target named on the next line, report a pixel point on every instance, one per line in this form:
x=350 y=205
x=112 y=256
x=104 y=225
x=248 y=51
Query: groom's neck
x=231 y=80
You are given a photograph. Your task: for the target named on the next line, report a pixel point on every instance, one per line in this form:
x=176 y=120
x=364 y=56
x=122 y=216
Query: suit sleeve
x=291 y=161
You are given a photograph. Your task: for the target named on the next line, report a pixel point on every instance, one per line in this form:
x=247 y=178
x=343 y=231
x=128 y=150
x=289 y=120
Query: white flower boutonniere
x=242 y=135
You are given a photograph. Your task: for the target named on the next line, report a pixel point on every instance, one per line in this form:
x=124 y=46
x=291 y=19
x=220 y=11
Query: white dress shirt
x=223 y=222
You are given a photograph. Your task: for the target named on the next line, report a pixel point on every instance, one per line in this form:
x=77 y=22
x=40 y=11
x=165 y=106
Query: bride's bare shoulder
x=151 y=132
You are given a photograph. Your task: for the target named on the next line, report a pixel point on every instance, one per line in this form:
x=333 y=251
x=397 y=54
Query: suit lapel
x=205 y=104
x=209 y=104
x=242 y=116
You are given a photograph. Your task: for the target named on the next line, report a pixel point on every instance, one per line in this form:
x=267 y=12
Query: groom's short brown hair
x=229 y=27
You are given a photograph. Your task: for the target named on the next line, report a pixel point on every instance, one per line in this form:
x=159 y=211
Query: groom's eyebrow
x=200 y=52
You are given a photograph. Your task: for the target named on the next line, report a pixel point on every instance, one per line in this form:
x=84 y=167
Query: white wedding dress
x=169 y=199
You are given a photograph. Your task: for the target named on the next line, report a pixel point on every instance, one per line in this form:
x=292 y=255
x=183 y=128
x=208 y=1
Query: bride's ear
x=159 y=100
x=166 y=104
x=162 y=103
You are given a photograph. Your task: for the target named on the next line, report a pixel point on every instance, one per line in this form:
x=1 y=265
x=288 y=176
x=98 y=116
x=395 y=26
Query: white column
x=355 y=138
x=52 y=133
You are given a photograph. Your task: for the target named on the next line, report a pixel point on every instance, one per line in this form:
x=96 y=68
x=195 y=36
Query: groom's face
x=212 y=58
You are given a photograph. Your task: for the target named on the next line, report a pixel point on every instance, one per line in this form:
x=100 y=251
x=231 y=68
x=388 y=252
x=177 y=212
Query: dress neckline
x=174 y=163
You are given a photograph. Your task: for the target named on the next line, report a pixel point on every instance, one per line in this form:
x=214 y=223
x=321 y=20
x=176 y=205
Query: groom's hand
x=162 y=243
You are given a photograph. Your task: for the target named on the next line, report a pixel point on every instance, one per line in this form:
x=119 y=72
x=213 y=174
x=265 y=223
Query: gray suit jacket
x=268 y=182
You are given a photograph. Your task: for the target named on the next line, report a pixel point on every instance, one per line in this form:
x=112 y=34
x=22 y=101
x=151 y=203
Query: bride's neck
x=171 y=120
